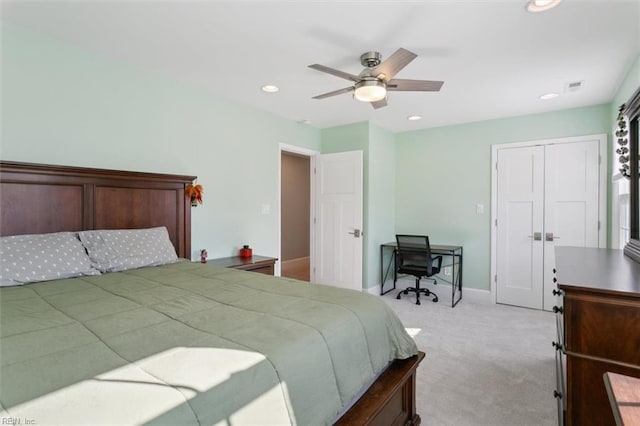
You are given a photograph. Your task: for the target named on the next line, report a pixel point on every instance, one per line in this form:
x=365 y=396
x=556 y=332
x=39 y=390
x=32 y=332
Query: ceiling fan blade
x=379 y=104
x=401 y=85
x=335 y=92
x=394 y=63
x=335 y=72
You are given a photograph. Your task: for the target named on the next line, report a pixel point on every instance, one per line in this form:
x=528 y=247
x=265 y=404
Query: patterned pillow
x=42 y=257
x=122 y=249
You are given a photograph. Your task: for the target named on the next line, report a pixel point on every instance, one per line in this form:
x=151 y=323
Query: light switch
x=266 y=209
x=479 y=208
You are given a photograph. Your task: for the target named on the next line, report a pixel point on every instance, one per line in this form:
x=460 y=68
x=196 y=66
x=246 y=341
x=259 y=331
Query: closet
x=546 y=193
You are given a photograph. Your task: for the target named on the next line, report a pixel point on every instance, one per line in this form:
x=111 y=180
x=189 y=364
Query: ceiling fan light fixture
x=370 y=90
x=541 y=5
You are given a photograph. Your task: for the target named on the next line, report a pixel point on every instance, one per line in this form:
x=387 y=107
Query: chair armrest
x=438 y=259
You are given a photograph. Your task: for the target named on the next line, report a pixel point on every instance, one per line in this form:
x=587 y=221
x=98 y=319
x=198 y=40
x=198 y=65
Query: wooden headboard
x=38 y=198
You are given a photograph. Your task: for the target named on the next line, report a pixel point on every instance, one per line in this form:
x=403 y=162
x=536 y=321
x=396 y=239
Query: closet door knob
x=557 y=309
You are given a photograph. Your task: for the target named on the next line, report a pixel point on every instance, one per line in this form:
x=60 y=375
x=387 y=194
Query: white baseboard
x=471 y=295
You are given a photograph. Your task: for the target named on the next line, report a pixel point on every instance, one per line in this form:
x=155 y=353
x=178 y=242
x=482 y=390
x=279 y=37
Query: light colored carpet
x=485 y=364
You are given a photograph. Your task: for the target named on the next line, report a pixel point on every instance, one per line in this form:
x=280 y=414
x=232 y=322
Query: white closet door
x=520 y=179
x=571 y=203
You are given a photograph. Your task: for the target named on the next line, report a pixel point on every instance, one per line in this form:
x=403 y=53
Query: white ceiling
x=496 y=59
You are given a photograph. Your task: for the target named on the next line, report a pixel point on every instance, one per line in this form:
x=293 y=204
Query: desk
x=454 y=252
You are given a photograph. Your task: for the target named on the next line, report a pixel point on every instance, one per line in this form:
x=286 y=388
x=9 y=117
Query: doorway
x=295 y=219
x=544 y=194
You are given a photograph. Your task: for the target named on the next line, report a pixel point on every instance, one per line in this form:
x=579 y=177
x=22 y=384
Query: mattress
x=188 y=343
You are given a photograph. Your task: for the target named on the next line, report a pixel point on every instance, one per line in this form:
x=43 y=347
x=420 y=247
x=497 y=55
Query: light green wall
x=382 y=215
x=442 y=173
x=629 y=85
x=63 y=105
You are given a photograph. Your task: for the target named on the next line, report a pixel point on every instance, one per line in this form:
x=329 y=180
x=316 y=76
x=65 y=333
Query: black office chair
x=413 y=257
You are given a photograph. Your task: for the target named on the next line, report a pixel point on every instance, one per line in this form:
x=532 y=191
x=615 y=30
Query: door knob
x=356 y=233
x=549 y=236
x=537 y=236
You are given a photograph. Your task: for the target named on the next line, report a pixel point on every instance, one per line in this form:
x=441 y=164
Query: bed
x=181 y=342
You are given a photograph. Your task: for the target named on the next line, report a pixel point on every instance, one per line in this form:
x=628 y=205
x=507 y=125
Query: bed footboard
x=391 y=400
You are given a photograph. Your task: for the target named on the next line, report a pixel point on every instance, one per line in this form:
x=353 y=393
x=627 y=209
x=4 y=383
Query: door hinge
x=496 y=165
x=598 y=225
x=599 y=159
x=314 y=220
x=496 y=222
x=314 y=170
x=495 y=279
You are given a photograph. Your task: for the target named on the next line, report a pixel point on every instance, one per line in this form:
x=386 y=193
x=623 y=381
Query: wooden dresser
x=598 y=330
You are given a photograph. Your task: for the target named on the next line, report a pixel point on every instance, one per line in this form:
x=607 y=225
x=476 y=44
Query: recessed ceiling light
x=414 y=117
x=270 y=88
x=541 y=5
x=547 y=96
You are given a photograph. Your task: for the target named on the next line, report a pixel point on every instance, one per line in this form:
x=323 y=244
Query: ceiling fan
x=372 y=84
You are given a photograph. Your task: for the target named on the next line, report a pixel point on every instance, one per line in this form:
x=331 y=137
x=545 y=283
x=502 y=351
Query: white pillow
x=42 y=257
x=123 y=249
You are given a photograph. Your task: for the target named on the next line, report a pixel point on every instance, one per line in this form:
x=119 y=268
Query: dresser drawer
x=255 y=263
x=262 y=269
x=603 y=326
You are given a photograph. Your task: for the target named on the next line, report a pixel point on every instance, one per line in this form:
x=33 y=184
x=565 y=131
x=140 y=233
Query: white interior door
x=520 y=226
x=338 y=219
x=571 y=203
x=547 y=194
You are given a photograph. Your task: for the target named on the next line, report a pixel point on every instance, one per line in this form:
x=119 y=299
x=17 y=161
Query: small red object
x=245 y=251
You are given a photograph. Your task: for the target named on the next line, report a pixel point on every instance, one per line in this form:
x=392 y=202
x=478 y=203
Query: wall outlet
x=447 y=270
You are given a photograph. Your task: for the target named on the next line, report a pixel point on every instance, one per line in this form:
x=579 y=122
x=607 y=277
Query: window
x=622 y=229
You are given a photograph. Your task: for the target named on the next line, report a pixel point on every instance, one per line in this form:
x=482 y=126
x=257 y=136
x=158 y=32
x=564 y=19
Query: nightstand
x=261 y=264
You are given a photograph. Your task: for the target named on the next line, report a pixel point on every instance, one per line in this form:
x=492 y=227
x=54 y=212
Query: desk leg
x=385 y=273
x=457 y=279
x=381 y=270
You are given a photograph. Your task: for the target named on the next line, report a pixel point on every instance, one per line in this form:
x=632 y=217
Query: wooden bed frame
x=38 y=198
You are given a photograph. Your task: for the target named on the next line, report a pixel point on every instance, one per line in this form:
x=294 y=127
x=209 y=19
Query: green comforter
x=189 y=344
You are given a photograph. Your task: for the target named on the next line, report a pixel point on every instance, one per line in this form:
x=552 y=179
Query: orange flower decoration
x=195 y=193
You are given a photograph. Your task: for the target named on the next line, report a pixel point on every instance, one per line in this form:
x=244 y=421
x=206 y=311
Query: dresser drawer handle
x=557 y=309
x=557 y=394
x=557 y=292
x=557 y=345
